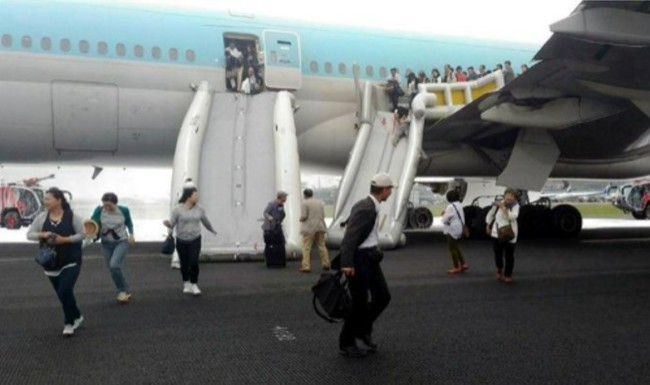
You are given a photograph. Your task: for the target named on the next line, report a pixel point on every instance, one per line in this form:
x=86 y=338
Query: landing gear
x=536 y=220
x=567 y=221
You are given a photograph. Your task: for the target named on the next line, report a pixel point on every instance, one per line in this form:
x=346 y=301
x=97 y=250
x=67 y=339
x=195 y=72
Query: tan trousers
x=307 y=241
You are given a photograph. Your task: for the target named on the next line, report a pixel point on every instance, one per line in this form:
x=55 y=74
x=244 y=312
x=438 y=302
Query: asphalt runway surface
x=577 y=313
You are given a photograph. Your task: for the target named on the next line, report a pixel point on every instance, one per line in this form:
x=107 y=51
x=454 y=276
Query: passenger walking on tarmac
x=313 y=228
x=60 y=228
x=453 y=220
x=360 y=262
x=274 y=249
x=187 y=217
x=115 y=228
x=502 y=227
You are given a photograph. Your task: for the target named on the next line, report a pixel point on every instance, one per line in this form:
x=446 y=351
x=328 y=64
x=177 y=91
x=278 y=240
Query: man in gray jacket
x=312 y=228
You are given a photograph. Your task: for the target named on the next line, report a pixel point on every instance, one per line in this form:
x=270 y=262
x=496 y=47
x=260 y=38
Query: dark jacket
x=358 y=227
x=276 y=211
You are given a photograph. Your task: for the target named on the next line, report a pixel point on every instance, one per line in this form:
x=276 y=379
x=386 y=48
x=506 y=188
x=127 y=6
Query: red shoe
x=498 y=276
x=464 y=267
x=507 y=279
x=454 y=270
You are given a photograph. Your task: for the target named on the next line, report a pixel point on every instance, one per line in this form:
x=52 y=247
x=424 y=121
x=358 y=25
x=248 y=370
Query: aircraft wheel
x=11 y=220
x=640 y=214
x=472 y=214
x=421 y=218
x=567 y=221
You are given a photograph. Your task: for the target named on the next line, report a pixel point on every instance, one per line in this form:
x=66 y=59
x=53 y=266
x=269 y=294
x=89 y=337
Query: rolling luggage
x=274 y=251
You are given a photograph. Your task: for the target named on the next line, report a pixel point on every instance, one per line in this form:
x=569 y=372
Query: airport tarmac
x=577 y=313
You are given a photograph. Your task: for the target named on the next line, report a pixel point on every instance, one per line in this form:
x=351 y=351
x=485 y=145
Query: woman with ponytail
x=60 y=229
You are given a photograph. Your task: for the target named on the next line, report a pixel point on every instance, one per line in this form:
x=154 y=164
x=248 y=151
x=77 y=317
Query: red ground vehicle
x=21 y=202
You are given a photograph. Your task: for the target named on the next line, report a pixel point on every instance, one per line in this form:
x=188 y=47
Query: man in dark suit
x=360 y=258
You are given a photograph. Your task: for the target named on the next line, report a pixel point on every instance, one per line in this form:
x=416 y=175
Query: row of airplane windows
x=65 y=45
x=314 y=67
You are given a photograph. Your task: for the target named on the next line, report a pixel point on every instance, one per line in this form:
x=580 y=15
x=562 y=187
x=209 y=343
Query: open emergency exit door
x=282 y=60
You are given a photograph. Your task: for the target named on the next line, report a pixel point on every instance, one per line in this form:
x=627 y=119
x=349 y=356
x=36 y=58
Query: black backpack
x=333 y=297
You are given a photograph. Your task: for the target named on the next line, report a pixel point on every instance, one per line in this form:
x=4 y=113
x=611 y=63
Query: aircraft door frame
x=283 y=60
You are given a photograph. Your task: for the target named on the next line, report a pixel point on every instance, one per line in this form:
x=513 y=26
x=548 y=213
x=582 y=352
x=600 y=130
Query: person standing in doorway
x=116 y=232
x=59 y=228
x=313 y=229
x=360 y=262
x=187 y=218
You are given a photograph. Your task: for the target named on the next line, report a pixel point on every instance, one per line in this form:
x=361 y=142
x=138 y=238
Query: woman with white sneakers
x=187 y=218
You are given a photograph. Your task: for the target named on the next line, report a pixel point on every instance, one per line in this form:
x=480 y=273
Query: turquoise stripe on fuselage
x=203 y=34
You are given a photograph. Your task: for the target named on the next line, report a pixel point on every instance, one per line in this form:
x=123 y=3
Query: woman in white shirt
x=504 y=213
x=453 y=219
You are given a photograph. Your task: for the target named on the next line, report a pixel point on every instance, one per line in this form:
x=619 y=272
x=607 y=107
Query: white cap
x=382 y=180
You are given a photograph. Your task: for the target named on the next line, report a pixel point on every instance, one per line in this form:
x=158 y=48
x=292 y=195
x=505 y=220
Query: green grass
x=588 y=210
x=600 y=210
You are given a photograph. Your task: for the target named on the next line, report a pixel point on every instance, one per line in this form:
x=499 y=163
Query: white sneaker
x=77 y=322
x=68 y=330
x=187 y=288
x=123 y=297
x=195 y=289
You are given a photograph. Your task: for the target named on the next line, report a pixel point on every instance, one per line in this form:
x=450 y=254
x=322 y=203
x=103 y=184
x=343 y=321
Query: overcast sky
x=510 y=20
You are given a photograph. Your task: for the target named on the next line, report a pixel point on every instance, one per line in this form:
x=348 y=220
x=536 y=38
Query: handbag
x=465 y=228
x=332 y=296
x=46 y=257
x=505 y=233
x=168 y=245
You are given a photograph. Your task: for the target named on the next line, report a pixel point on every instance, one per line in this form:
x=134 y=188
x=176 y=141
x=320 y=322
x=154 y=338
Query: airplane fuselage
x=111 y=85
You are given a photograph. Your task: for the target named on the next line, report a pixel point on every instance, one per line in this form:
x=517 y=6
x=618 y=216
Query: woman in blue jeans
x=116 y=232
x=59 y=228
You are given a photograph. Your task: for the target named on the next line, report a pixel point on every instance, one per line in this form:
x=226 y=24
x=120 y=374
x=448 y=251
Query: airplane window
x=313 y=66
x=328 y=67
x=46 y=43
x=65 y=45
x=190 y=55
x=84 y=46
x=342 y=68
x=370 y=71
x=173 y=54
x=102 y=47
x=138 y=50
x=27 y=42
x=7 y=40
x=120 y=49
x=156 y=52
x=383 y=73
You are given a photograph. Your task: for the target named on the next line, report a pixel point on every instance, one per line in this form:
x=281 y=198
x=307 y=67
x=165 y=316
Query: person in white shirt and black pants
x=453 y=220
x=504 y=213
x=360 y=258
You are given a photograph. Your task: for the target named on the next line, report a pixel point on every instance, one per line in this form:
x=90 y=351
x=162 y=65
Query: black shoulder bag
x=332 y=296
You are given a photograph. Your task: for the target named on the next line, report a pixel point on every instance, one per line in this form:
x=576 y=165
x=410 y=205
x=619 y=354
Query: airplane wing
x=584 y=105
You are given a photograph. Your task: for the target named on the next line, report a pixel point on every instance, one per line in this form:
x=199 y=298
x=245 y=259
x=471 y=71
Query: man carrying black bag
x=274 y=250
x=360 y=258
